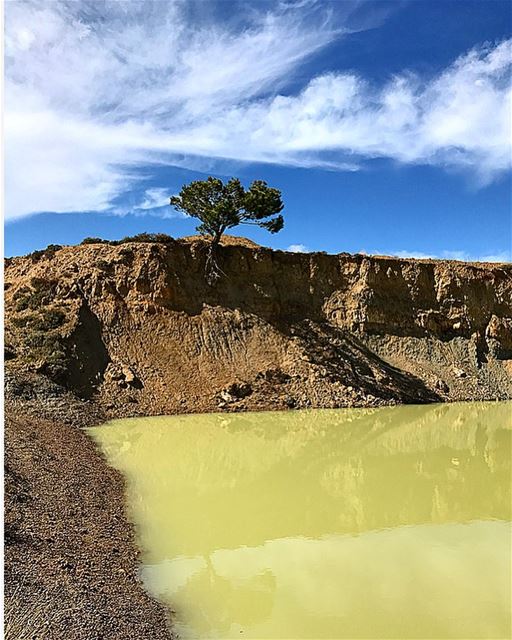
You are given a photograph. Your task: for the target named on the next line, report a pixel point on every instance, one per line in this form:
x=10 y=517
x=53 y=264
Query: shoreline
x=71 y=554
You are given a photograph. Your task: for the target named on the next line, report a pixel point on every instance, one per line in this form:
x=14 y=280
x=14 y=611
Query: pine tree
x=221 y=206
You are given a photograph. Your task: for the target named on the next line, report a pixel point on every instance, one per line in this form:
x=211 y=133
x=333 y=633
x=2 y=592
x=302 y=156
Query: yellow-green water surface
x=385 y=523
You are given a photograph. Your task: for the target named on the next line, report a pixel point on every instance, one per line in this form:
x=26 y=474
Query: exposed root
x=212 y=270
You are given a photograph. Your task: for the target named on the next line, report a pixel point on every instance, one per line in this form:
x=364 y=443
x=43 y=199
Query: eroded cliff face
x=137 y=327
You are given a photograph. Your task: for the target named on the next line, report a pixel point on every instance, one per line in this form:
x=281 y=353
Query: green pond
x=350 y=523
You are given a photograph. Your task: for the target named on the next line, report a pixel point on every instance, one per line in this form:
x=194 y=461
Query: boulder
x=499 y=337
x=123 y=374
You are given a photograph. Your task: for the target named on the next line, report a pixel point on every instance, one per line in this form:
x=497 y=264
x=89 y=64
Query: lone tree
x=222 y=206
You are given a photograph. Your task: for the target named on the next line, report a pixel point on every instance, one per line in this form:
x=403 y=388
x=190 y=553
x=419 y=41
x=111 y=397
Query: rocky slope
x=102 y=330
x=137 y=327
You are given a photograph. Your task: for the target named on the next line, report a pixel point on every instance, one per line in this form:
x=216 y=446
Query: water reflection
x=325 y=524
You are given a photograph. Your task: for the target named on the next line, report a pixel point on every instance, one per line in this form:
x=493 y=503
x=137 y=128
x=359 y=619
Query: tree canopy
x=222 y=206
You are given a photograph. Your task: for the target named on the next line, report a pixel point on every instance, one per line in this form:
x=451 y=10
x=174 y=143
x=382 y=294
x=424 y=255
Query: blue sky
x=385 y=124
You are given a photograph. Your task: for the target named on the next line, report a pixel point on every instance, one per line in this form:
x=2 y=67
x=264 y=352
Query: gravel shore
x=70 y=553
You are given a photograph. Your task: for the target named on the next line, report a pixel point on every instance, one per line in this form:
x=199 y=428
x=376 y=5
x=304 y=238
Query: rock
x=381 y=377
x=499 y=336
x=235 y=391
x=290 y=402
x=275 y=375
x=9 y=353
x=337 y=316
x=239 y=390
x=113 y=372
x=441 y=385
x=500 y=329
x=123 y=374
x=459 y=373
x=128 y=374
x=226 y=397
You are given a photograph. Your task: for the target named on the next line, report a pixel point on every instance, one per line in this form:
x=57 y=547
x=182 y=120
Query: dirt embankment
x=137 y=327
x=100 y=331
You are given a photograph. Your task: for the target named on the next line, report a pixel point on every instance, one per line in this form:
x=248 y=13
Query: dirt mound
x=226 y=241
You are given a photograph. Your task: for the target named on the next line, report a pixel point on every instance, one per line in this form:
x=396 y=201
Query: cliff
x=136 y=327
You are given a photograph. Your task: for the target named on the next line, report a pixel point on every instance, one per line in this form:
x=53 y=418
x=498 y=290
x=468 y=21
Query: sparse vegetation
x=146 y=237
x=161 y=238
x=49 y=252
x=44 y=345
x=49 y=319
x=40 y=319
x=39 y=328
x=95 y=241
x=40 y=293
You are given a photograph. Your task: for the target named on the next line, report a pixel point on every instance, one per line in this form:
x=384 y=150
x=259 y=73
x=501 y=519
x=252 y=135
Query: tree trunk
x=217 y=236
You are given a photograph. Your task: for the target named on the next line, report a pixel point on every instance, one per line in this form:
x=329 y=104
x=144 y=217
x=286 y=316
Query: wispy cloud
x=501 y=256
x=447 y=254
x=154 y=199
x=151 y=202
x=95 y=89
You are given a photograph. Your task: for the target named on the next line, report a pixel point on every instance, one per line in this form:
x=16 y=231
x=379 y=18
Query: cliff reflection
x=248 y=520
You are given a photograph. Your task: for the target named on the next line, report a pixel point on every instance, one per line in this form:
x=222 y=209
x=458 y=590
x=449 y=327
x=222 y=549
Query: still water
x=352 y=523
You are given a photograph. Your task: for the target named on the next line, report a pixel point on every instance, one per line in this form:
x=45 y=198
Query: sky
x=385 y=124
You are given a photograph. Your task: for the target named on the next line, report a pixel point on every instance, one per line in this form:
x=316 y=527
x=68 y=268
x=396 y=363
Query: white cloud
x=502 y=256
x=460 y=119
x=465 y=256
x=95 y=89
x=408 y=254
x=151 y=202
x=297 y=248
x=155 y=198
